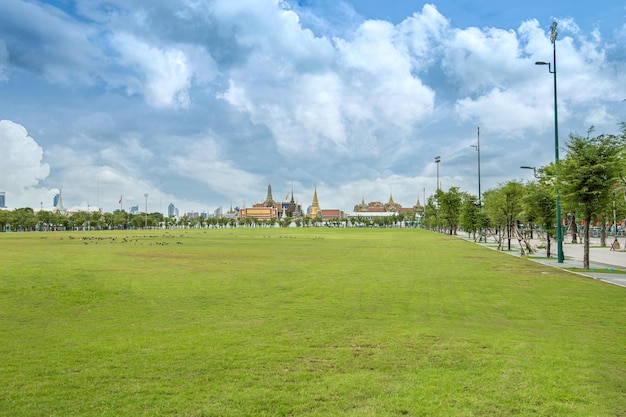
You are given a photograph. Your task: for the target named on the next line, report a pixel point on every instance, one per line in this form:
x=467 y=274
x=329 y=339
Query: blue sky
x=204 y=103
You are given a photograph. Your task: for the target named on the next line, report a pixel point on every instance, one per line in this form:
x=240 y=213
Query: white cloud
x=22 y=165
x=371 y=105
x=163 y=74
x=482 y=58
x=45 y=40
x=421 y=35
x=506 y=92
x=377 y=68
x=202 y=162
x=128 y=155
x=367 y=91
x=511 y=112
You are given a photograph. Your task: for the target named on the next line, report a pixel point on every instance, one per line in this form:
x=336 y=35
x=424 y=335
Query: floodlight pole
x=477 y=146
x=552 y=70
x=437 y=160
x=146 y=195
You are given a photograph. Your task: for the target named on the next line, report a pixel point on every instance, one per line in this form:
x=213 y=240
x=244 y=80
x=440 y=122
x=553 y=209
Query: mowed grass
x=300 y=322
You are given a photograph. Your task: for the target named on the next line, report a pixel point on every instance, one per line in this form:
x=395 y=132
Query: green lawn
x=300 y=322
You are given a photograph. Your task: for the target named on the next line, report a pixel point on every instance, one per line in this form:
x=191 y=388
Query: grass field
x=300 y=322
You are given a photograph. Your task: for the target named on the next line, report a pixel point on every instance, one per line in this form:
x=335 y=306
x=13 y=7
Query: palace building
x=272 y=209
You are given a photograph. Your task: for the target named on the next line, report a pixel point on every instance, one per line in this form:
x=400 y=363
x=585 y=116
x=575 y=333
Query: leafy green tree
x=470 y=219
x=44 y=218
x=431 y=213
x=540 y=208
x=503 y=205
x=450 y=208
x=120 y=219
x=5 y=218
x=23 y=219
x=587 y=175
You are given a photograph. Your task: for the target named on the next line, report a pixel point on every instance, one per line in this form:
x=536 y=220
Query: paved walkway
x=604 y=264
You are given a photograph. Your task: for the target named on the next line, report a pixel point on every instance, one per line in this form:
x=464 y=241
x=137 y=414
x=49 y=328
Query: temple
x=271 y=209
x=378 y=207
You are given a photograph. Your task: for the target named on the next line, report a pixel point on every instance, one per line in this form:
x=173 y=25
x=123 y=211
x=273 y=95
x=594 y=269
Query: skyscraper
x=3 y=199
x=55 y=200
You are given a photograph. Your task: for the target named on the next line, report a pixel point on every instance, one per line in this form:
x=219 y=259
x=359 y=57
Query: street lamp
x=552 y=70
x=146 y=195
x=533 y=168
x=437 y=160
x=477 y=146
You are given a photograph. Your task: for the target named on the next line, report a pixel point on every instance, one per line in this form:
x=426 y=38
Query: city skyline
x=171 y=208
x=204 y=103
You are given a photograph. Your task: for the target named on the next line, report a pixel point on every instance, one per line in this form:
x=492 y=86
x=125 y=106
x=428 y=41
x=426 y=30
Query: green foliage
x=504 y=203
x=540 y=205
x=5 y=218
x=307 y=322
x=590 y=171
x=472 y=217
x=589 y=174
x=449 y=203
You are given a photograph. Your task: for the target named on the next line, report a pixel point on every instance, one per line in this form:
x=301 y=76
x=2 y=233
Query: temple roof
x=269 y=200
x=315 y=202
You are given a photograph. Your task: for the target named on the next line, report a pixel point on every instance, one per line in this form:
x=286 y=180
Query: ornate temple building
x=271 y=209
x=378 y=207
x=315 y=205
x=264 y=211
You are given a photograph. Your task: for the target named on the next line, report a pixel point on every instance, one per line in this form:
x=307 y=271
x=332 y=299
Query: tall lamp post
x=480 y=204
x=477 y=146
x=437 y=160
x=146 y=195
x=552 y=70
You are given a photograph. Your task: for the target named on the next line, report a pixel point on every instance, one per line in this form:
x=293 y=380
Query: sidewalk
x=604 y=264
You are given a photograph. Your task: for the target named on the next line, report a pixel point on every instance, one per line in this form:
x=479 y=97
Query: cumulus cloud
x=286 y=94
x=22 y=165
x=202 y=162
x=162 y=75
x=368 y=89
x=48 y=42
x=97 y=179
x=504 y=90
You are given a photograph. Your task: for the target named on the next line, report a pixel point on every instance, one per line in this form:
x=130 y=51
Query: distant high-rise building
x=171 y=210
x=55 y=200
x=59 y=205
x=3 y=199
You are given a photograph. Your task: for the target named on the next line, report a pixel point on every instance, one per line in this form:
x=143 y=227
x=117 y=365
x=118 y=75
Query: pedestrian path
x=605 y=264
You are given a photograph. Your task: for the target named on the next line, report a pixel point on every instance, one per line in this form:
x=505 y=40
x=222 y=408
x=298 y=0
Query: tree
x=587 y=175
x=431 y=213
x=450 y=207
x=23 y=219
x=5 y=218
x=540 y=208
x=503 y=205
x=471 y=218
x=120 y=218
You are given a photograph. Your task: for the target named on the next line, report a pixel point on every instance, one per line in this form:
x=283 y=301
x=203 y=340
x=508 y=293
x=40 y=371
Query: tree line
x=26 y=219
x=590 y=180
